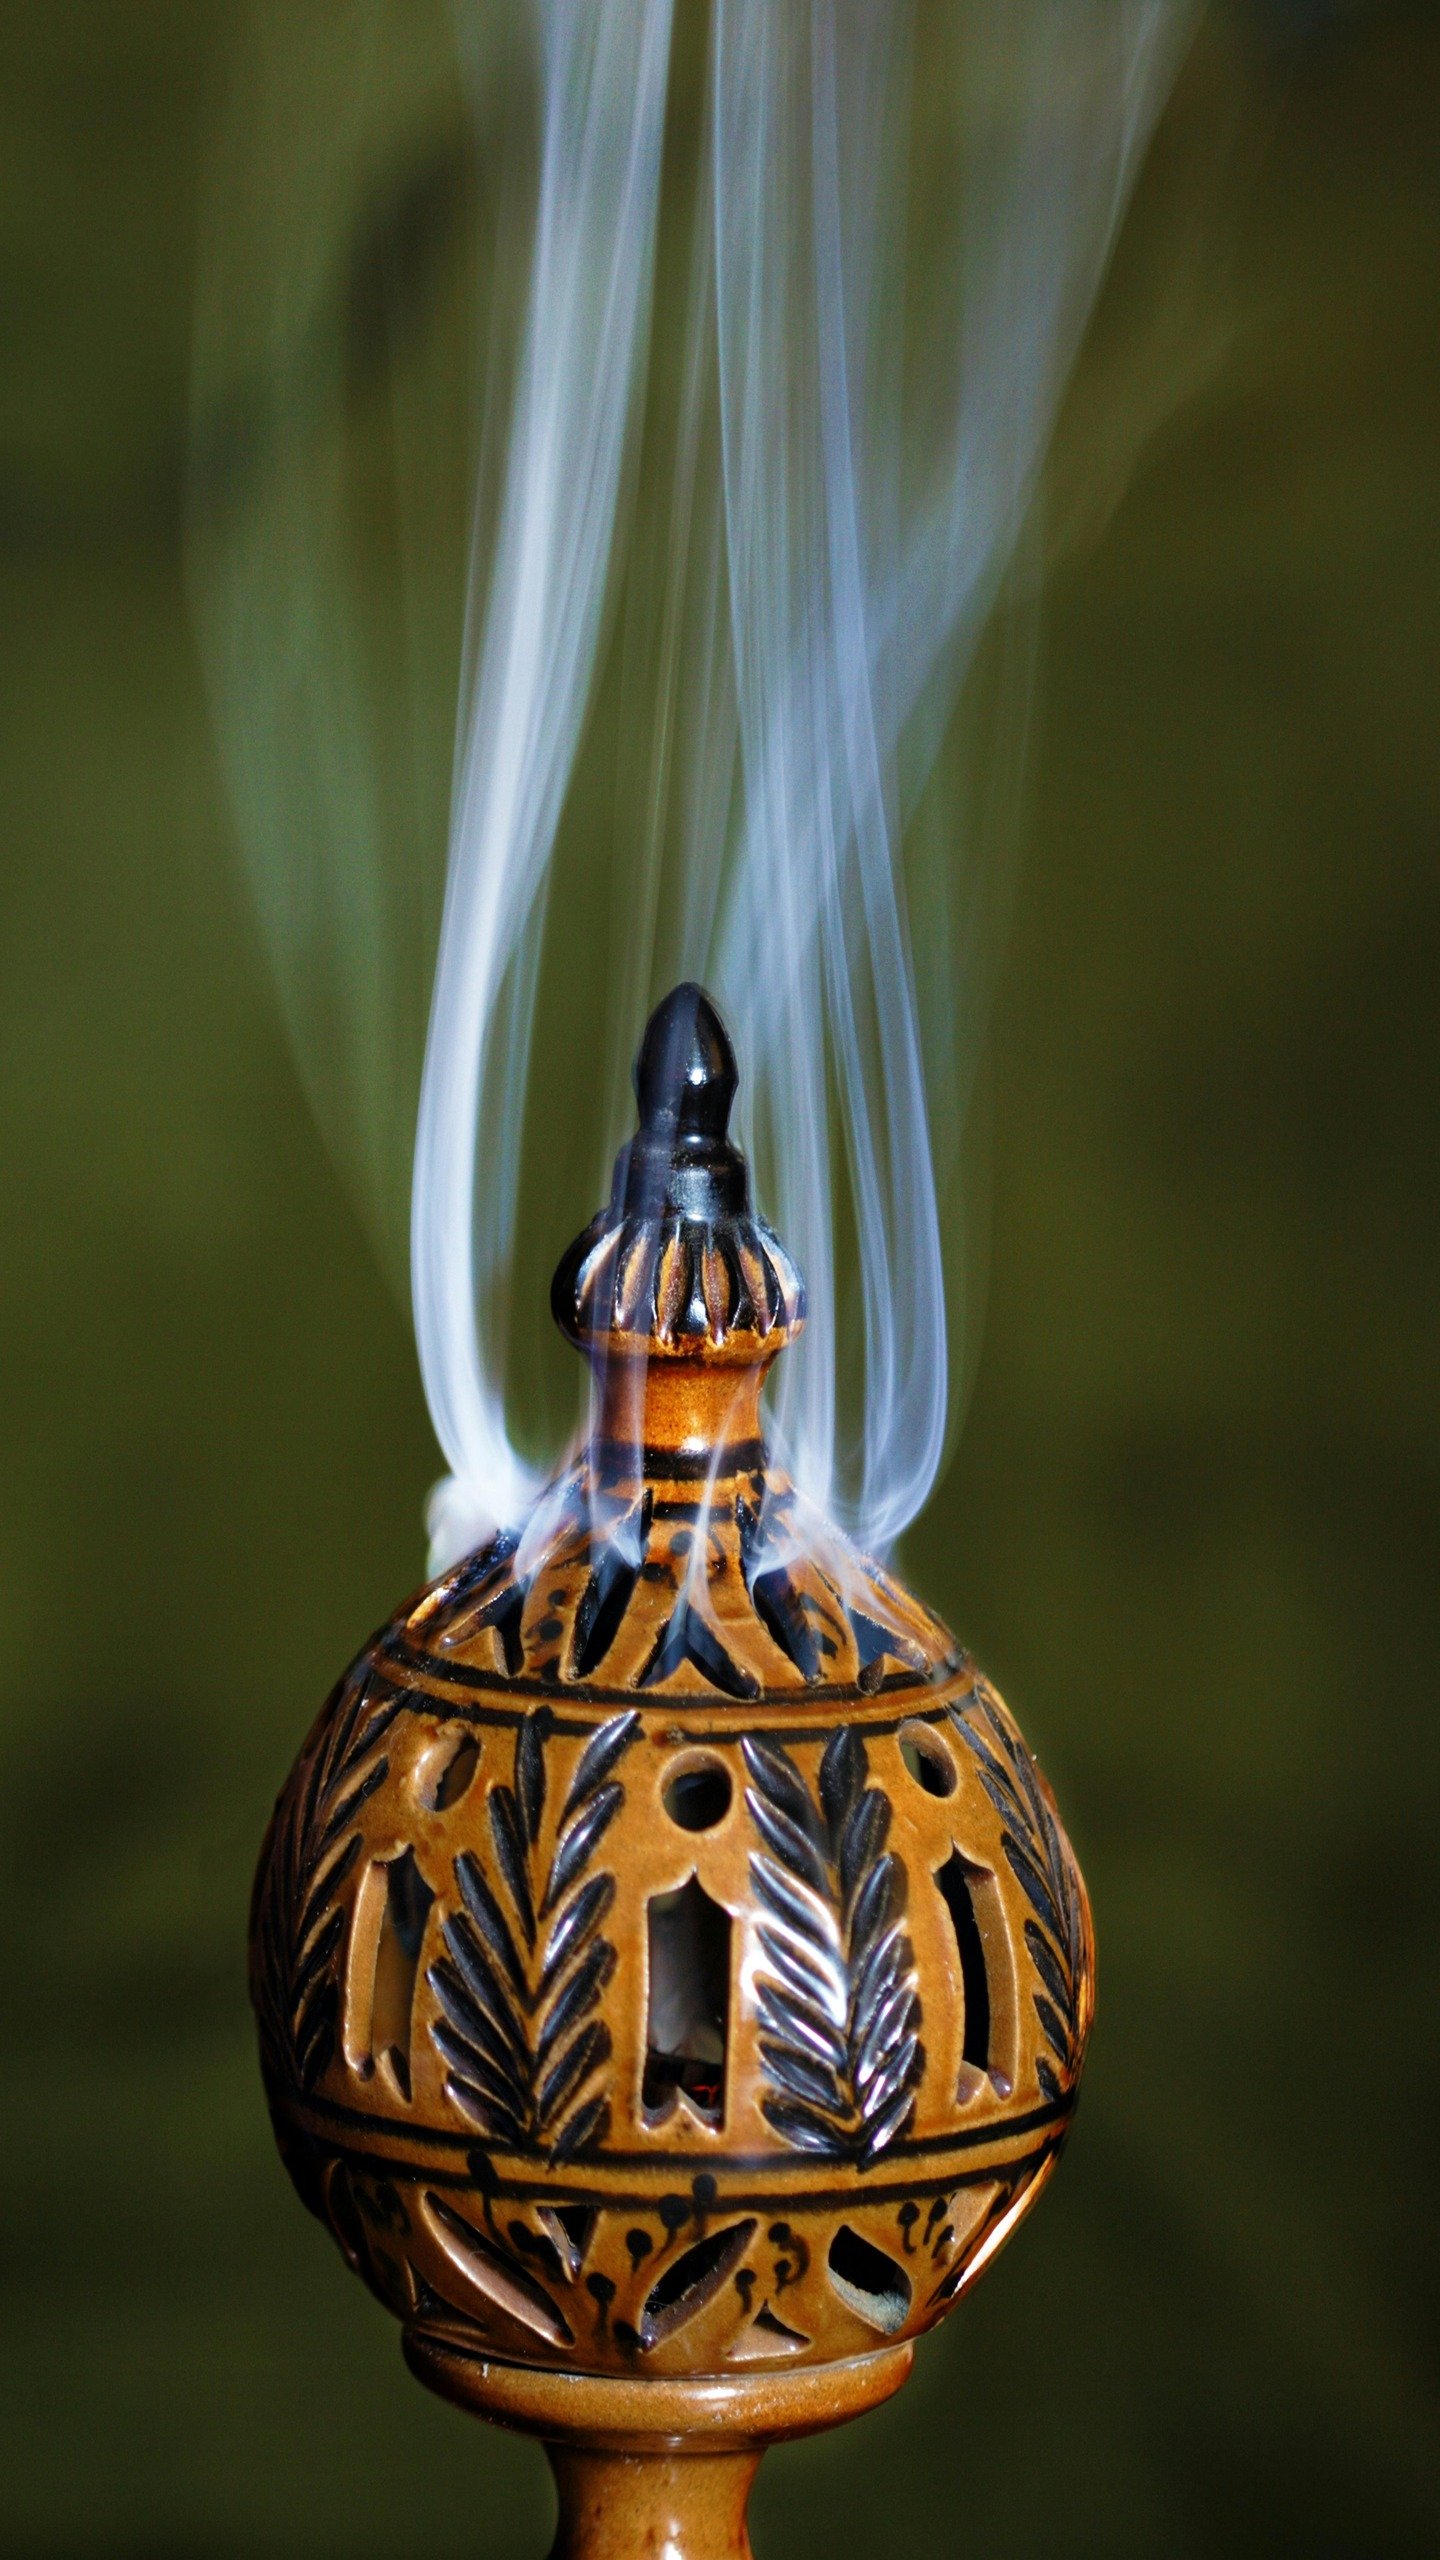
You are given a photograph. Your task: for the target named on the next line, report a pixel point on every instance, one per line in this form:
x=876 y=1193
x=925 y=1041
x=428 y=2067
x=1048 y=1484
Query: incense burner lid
x=676 y=1257
x=669 y=1963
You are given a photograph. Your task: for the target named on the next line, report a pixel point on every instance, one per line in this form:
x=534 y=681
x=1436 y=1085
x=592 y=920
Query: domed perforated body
x=667 y=1955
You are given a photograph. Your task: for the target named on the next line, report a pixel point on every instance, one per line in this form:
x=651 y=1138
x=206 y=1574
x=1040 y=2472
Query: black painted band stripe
x=620 y=1459
x=411 y=1662
x=687 y=2163
x=735 y=1725
x=779 y=2200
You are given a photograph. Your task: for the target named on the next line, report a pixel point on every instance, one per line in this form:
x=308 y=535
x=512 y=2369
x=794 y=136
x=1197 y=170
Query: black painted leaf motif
x=890 y=2119
x=345 y=1812
x=530 y=1777
x=1053 y=2028
x=577 y=1999
x=507 y=1832
x=839 y=2008
x=865 y=1835
x=495 y=2086
x=599 y=1757
x=1033 y=1884
x=807 y=2129
x=1040 y=1861
x=519 y=2034
x=484 y=1981
x=790 y=2067
x=327 y=1884
x=579 y=2058
x=476 y=2017
x=1046 y=1964
x=581 y=1916
x=1001 y=1796
x=796 y=1909
x=775 y=1773
x=577 y=1844
x=884 y=1966
x=585 y=2130
x=312 y=1847
x=789 y=1960
x=791 y=1845
x=884 y=2035
x=489 y=1919
x=799 y=2022
x=314 y=2034
x=842 y=1775
x=874 y=1902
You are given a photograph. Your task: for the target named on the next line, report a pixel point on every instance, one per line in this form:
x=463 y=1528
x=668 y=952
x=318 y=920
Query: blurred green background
x=1192 y=1525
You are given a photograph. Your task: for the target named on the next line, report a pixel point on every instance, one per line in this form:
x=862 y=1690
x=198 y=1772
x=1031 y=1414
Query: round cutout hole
x=927 y=1760
x=698 y=1796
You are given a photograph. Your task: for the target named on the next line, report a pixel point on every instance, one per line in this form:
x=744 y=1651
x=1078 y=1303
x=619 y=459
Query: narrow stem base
x=651 y=2506
x=657 y=2470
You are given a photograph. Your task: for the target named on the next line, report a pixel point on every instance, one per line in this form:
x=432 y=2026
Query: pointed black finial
x=680 y=1161
x=685 y=1071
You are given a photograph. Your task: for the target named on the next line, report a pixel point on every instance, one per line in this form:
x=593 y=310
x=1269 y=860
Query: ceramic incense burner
x=672 y=1975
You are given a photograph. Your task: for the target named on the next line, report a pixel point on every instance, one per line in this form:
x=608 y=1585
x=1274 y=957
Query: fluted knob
x=676 y=1258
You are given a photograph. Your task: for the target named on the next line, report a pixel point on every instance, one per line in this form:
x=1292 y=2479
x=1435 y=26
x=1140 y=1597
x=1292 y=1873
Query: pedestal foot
x=657 y=2470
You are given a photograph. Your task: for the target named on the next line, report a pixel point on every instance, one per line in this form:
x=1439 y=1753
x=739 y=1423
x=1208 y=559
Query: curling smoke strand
x=533 y=640
x=860 y=561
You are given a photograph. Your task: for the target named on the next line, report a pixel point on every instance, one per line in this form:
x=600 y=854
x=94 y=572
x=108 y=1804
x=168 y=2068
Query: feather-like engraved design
x=521 y=1980
x=1040 y=1859
x=312 y=1846
x=838 y=2006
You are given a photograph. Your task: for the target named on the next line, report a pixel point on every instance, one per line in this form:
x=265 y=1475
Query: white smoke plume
x=897 y=224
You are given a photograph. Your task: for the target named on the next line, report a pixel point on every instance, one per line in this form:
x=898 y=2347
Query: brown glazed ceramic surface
x=672 y=1976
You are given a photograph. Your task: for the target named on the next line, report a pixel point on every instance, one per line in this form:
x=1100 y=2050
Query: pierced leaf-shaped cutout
x=874 y=1643
x=927 y=1760
x=494 y=2276
x=571 y=2227
x=957 y=1880
x=869 y=2283
x=774 y=1598
x=607 y=1594
x=686 y=1638
x=397 y=1959
x=485 y=1595
x=468 y=1589
x=453 y=1779
x=692 y=2280
x=506 y=1620
x=779 y=1609
x=502 y=1617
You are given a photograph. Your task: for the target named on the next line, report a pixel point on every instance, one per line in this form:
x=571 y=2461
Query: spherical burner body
x=669 y=1964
